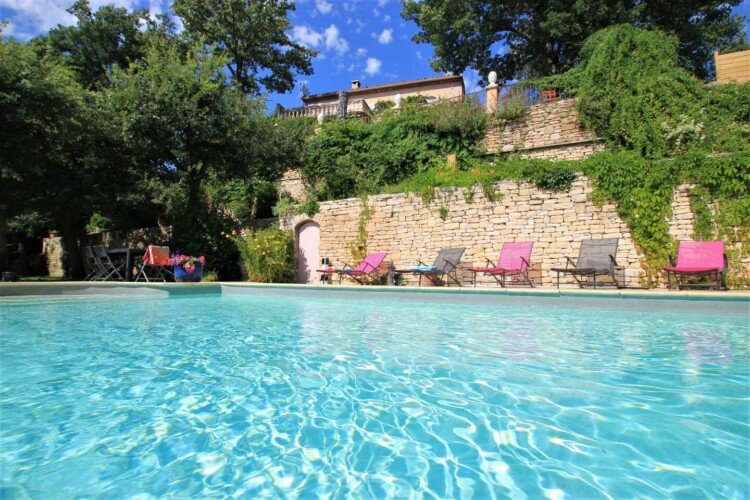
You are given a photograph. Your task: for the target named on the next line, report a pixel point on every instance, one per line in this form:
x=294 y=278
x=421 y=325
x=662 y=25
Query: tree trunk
x=70 y=232
x=4 y=257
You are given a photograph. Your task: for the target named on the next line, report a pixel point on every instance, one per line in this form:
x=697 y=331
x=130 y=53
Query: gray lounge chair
x=595 y=258
x=443 y=270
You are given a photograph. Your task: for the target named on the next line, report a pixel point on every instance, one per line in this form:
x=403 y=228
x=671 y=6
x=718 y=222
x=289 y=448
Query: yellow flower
x=234 y=232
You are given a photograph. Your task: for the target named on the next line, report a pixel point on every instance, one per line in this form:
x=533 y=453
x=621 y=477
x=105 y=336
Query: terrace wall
x=410 y=230
x=551 y=130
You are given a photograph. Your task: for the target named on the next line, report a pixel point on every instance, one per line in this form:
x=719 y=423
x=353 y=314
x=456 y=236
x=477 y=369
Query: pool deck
x=74 y=288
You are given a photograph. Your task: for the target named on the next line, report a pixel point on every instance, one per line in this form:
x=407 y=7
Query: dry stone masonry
x=550 y=130
x=410 y=230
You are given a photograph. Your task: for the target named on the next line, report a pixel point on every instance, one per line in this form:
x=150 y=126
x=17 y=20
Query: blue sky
x=366 y=40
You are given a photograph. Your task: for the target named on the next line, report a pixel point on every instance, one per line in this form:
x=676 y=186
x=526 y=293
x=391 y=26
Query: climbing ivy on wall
x=358 y=247
x=632 y=93
x=642 y=190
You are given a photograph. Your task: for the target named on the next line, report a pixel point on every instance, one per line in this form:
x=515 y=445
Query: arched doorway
x=308 y=252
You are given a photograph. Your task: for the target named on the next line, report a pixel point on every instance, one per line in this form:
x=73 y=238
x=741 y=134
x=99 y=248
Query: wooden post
x=716 y=64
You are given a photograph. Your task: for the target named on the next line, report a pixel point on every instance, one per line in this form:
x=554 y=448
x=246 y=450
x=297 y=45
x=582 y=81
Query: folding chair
x=109 y=269
x=154 y=261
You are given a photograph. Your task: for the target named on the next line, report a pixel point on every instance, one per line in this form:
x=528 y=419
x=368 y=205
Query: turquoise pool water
x=301 y=397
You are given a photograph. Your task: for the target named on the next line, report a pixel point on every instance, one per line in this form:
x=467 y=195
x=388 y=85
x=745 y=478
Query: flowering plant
x=187 y=262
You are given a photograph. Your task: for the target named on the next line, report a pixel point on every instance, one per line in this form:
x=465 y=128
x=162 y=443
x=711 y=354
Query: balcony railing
x=358 y=107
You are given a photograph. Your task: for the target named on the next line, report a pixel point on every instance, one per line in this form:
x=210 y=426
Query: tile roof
x=312 y=98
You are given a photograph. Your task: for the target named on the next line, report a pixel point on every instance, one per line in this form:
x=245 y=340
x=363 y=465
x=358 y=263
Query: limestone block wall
x=291 y=183
x=681 y=222
x=410 y=230
x=550 y=130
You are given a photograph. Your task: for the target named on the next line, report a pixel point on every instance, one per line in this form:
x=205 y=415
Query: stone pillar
x=493 y=92
x=343 y=104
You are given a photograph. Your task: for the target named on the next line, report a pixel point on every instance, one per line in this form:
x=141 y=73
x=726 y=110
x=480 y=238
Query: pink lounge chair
x=366 y=270
x=513 y=261
x=699 y=258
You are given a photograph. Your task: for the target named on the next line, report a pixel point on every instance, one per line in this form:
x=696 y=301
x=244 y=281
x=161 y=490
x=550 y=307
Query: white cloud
x=386 y=36
x=471 y=81
x=382 y=2
x=372 y=67
x=33 y=17
x=29 y=18
x=386 y=18
x=334 y=41
x=306 y=36
x=361 y=52
x=323 y=6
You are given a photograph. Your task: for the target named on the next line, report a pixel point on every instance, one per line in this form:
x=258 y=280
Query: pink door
x=308 y=252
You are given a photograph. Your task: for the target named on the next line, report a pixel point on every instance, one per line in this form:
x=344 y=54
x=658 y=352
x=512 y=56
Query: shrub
x=268 y=255
x=350 y=157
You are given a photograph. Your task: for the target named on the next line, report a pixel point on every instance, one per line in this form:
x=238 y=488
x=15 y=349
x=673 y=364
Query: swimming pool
x=373 y=395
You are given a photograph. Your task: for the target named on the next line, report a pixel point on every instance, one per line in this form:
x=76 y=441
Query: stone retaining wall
x=410 y=230
x=551 y=130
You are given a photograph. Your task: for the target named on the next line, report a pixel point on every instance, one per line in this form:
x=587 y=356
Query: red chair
x=699 y=259
x=513 y=261
x=155 y=262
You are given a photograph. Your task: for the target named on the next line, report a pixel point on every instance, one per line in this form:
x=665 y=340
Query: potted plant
x=187 y=267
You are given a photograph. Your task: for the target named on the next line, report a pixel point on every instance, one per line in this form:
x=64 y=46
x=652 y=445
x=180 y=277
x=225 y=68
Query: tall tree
x=252 y=34
x=186 y=125
x=55 y=157
x=530 y=38
x=102 y=39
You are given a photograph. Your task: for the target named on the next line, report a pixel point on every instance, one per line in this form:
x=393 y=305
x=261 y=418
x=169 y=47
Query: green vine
x=358 y=247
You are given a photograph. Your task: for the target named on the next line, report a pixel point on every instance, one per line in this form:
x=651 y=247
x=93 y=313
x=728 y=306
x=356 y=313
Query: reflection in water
x=708 y=348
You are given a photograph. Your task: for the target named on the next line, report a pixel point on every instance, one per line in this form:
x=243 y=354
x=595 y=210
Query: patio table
x=128 y=253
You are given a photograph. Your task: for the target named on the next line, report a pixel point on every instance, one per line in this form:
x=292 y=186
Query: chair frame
x=96 y=269
x=719 y=277
x=438 y=275
x=571 y=267
x=348 y=270
x=162 y=272
x=360 y=276
x=109 y=269
x=503 y=273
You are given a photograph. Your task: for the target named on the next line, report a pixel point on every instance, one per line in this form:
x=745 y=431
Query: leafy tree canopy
x=544 y=38
x=252 y=34
x=102 y=39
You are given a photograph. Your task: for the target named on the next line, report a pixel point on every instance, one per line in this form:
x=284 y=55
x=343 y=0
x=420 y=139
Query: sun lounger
x=699 y=259
x=442 y=271
x=366 y=271
x=595 y=258
x=513 y=261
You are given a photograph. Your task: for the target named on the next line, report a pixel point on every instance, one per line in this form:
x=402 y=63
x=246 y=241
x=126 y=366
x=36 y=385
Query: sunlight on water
x=304 y=397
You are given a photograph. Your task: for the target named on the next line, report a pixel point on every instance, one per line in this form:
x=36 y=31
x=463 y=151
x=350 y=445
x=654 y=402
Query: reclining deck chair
x=513 y=261
x=595 y=258
x=444 y=267
x=699 y=259
x=155 y=261
x=367 y=270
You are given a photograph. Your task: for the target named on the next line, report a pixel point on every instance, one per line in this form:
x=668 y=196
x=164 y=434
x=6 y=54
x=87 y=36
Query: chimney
x=355 y=84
